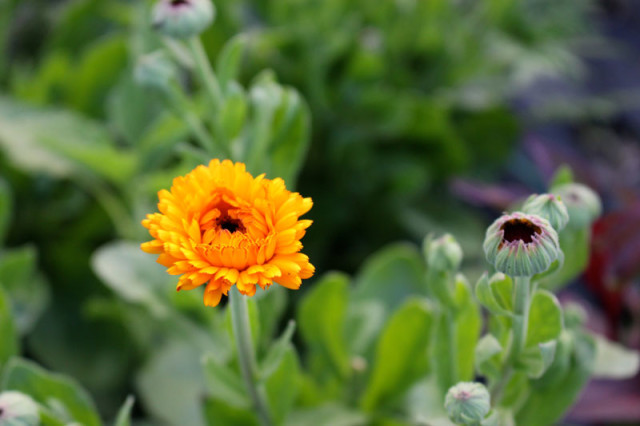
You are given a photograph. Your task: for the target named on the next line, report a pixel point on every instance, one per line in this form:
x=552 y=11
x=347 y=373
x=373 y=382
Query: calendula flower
x=221 y=226
x=521 y=245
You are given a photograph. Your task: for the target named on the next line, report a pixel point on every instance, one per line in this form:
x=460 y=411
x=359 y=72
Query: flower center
x=520 y=230
x=179 y=2
x=231 y=225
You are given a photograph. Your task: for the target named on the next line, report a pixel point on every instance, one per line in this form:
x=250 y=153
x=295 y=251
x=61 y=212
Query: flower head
x=183 y=18
x=583 y=204
x=520 y=244
x=467 y=403
x=221 y=226
x=18 y=409
x=550 y=207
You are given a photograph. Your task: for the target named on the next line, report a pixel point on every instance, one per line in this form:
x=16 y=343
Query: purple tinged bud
x=183 y=19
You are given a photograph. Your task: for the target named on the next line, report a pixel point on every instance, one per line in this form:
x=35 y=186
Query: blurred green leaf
x=60 y=143
x=364 y=321
x=124 y=413
x=272 y=303
x=277 y=351
x=62 y=395
x=282 y=385
x=219 y=413
x=560 y=365
x=400 y=264
x=486 y=297
x=26 y=290
x=487 y=361
x=132 y=274
x=545 y=318
x=401 y=354
x=614 y=361
x=548 y=405
x=321 y=317
x=332 y=414
x=233 y=114
x=562 y=176
x=6 y=207
x=8 y=335
x=230 y=58
x=224 y=384
x=171 y=384
x=536 y=359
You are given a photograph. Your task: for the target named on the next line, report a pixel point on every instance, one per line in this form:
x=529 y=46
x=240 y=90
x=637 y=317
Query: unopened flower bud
x=521 y=244
x=154 y=70
x=550 y=207
x=583 y=204
x=444 y=253
x=18 y=409
x=183 y=18
x=467 y=403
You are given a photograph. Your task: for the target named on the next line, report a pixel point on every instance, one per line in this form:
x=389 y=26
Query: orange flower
x=221 y=226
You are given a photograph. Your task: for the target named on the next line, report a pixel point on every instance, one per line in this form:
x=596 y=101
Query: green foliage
x=8 y=334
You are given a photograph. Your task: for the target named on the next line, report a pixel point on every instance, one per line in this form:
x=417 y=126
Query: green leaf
x=124 y=413
x=560 y=365
x=61 y=394
x=401 y=353
x=321 y=316
x=486 y=360
x=277 y=351
x=614 y=361
x=233 y=113
x=330 y=414
x=282 y=385
x=545 y=318
x=502 y=289
x=271 y=305
x=60 y=143
x=562 y=176
x=229 y=60
x=132 y=274
x=468 y=325
x=224 y=384
x=8 y=334
x=6 y=207
x=171 y=384
x=26 y=289
x=364 y=321
x=546 y=406
x=485 y=296
x=219 y=413
x=400 y=264
x=536 y=359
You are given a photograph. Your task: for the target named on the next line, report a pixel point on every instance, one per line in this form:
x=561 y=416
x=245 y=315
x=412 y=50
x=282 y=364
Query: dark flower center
x=231 y=225
x=520 y=230
x=179 y=2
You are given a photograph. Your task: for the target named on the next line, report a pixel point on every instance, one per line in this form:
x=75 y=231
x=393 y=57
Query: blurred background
x=427 y=116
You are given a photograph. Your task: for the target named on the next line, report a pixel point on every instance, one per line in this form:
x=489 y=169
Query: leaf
x=233 y=113
x=59 y=393
x=401 y=352
x=282 y=385
x=219 y=413
x=485 y=296
x=271 y=305
x=545 y=318
x=124 y=413
x=468 y=324
x=614 y=361
x=546 y=406
x=400 y=264
x=6 y=207
x=224 y=384
x=486 y=361
x=560 y=365
x=562 y=176
x=277 y=351
x=60 y=143
x=363 y=324
x=229 y=60
x=8 y=335
x=536 y=360
x=321 y=316
x=26 y=290
x=171 y=384
x=330 y=414
x=132 y=274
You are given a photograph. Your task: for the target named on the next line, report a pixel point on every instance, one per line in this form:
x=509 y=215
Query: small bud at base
x=467 y=403
x=444 y=253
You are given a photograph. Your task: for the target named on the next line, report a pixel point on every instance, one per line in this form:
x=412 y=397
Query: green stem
x=246 y=355
x=520 y=317
x=205 y=73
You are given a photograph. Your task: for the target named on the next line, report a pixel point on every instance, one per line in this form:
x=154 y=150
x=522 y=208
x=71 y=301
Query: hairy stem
x=246 y=354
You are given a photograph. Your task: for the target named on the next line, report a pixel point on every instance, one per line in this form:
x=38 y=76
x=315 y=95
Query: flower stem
x=520 y=317
x=205 y=73
x=246 y=355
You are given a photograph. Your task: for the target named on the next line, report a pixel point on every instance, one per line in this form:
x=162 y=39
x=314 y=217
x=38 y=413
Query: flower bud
x=444 y=253
x=154 y=70
x=521 y=244
x=467 y=403
x=183 y=18
x=550 y=207
x=18 y=409
x=583 y=204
